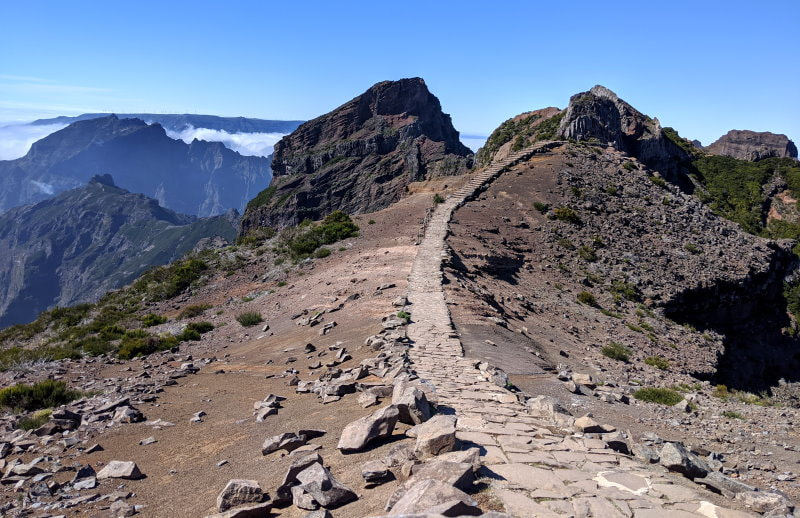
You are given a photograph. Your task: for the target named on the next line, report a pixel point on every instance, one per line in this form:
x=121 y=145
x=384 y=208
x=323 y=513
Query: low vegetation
x=566 y=214
x=662 y=396
x=303 y=240
x=617 y=351
x=249 y=318
x=587 y=298
x=658 y=362
x=44 y=394
x=194 y=310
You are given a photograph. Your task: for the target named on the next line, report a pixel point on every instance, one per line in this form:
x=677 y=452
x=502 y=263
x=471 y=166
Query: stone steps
x=540 y=472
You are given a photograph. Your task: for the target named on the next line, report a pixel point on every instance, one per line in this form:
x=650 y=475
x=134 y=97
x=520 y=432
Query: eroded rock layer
x=360 y=157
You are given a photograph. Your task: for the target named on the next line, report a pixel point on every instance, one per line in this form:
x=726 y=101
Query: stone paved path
x=540 y=471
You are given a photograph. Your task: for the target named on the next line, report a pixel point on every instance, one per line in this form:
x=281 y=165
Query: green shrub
x=96 y=345
x=617 y=351
x=303 y=240
x=256 y=236
x=187 y=335
x=371 y=222
x=566 y=214
x=137 y=344
x=621 y=289
x=152 y=319
x=565 y=243
x=629 y=166
x=249 y=318
x=657 y=180
x=165 y=282
x=662 y=396
x=587 y=254
x=587 y=298
x=403 y=315
x=44 y=394
x=692 y=248
x=194 y=310
x=541 y=207
x=438 y=198
x=322 y=252
x=34 y=421
x=201 y=327
x=658 y=362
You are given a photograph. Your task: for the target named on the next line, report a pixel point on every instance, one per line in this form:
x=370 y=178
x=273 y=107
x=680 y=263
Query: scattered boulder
x=766 y=502
x=435 y=497
x=375 y=472
x=326 y=491
x=435 y=436
x=675 y=457
x=120 y=469
x=412 y=404
x=359 y=433
x=239 y=492
x=286 y=441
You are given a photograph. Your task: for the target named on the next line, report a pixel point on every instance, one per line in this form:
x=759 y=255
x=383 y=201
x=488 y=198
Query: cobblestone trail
x=540 y=471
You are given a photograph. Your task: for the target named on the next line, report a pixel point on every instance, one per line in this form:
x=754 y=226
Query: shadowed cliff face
x=360 y=157
x=753 y=146
x=602 y=116
x=201 y=178
x=84 y=242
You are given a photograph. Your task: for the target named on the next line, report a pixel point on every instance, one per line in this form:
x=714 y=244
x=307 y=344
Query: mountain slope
x=359 y=157
x=85 y=242
x=201 y=178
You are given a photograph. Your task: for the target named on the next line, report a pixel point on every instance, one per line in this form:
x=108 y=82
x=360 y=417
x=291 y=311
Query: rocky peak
x=103 y=179
x=360 y=157
x=753 y=145
x=600 y=115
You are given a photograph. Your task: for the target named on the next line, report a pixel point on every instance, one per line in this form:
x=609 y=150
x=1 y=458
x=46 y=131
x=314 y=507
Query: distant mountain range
x=178 y=122
x=200 y=178
x=84 y=242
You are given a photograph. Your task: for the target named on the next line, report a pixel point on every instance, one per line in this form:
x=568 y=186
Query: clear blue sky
x=703 y=66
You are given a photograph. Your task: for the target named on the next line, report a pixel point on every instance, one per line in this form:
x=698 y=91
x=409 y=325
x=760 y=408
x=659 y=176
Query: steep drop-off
x=84 y=242
x=201 y=178
x=359 y=157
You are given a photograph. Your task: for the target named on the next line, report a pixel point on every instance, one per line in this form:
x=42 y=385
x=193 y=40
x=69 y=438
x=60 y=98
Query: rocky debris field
x=576 y=305
x=353 y=396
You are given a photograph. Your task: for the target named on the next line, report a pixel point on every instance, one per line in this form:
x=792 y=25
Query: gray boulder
x=435 y=436
x=239 y=492
x=120 y=469
x=318 y=482
x=359 y=433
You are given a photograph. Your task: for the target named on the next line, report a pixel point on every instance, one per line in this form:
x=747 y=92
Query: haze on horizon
x=702 y=69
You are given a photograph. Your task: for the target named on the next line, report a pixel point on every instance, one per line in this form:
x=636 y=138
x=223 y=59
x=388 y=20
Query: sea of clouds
x=16 y=139
x=249 y=144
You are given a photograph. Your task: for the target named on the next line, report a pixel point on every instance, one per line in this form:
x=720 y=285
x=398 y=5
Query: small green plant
x=634 y=327
x=657 y=180
x=322 y=252
x=629 y=166
x=617 y=351
x=194 y=310
x=438 y=198
x=566 y=214
x=624 y=290
x=34 y=421
x=587 y=254
x=281 y=284
x=565 y=243
x=662 y=396
x=249 y=318
x=44 y=394
x=151 y=319
x=613 y=190
x=658 y=362
x=371 y=222
x=541 y=207
x=609 y=313
x=730 y=414
x=692 y=248
x=404 y=315
x=721 y=392
x=587 y=298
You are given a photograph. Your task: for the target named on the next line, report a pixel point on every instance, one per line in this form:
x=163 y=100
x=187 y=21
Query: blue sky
x=702 y=67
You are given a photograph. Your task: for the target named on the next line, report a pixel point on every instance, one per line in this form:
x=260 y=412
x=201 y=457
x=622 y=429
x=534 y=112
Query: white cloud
x=44 y=187
x=249 y=144
x=16 y=139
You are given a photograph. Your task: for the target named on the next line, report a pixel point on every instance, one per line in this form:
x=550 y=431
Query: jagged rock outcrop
x=602 y=116
x=84 y=242
x=360 y=157
x=753 y=145
x=200 y=178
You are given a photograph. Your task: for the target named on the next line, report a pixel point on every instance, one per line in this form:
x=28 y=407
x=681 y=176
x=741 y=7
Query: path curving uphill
x=539 y=466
